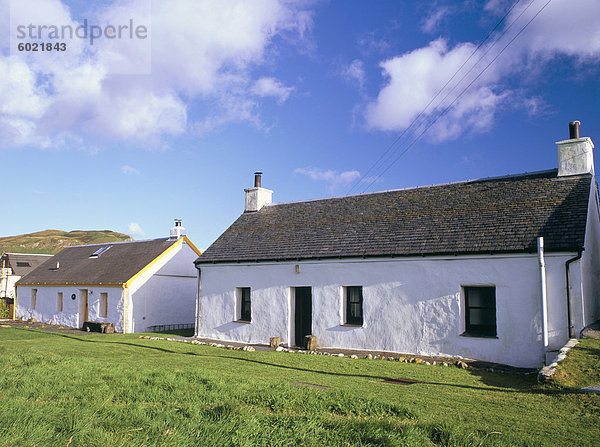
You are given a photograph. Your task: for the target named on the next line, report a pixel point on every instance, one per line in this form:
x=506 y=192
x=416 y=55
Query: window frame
x=481 y=331
x=59 y=301
x=244 y=304
x=103 y=307
x=349 y=318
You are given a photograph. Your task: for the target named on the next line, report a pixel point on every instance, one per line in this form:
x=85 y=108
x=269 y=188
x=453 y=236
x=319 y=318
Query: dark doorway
x=303 y=314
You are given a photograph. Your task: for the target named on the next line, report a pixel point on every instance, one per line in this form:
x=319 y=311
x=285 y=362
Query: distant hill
x=53 y=241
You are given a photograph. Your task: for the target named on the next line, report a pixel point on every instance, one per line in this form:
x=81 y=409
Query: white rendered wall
x=590 y=265
x=410 y=305
x=46 y=305
x=7 y=285
x=165 y=293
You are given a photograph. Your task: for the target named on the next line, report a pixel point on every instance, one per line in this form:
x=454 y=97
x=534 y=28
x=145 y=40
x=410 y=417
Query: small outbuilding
x=503 y=269
x=136 y=286
x=14 y=267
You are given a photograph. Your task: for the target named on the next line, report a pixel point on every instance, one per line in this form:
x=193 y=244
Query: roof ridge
x=458 y=182
x=118 y=242
x=27 y=254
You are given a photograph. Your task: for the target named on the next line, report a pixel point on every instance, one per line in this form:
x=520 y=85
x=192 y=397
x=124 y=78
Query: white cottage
x=15 y=266
x=137 y=286
x=502 y=269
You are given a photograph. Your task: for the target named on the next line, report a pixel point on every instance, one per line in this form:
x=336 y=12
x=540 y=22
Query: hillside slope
x=53 y=241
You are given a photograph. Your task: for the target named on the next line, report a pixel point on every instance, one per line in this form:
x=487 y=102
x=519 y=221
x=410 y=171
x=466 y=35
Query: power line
x=359 y=181
x=458 y=97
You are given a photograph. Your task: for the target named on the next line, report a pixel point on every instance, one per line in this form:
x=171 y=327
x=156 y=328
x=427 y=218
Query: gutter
x=204 y=260
x=569 y=322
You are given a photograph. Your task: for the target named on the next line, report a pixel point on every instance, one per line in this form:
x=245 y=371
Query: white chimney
x=257 y=197
x=177 y=231
x=575 y=155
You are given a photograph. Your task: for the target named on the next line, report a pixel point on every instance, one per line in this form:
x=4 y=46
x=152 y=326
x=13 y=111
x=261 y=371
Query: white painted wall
x=590 y=264
x=410 y=305
x=165 y=293
x=46 y=305
x=7 y=284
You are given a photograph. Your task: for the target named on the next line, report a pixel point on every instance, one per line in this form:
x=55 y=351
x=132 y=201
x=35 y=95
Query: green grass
x=173 y=333
x=113 y=390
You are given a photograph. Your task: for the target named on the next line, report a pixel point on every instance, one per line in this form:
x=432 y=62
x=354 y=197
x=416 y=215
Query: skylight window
x=99 y=251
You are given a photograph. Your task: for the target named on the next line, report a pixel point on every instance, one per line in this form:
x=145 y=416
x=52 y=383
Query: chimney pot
x=257 y=179
x=574 y=130
x=575 y=155
x=257 y=196
x=177 y=231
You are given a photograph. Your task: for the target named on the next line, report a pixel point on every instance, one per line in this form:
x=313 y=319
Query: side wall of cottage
x=166 y=293
x=590 y=266
x=410 y=305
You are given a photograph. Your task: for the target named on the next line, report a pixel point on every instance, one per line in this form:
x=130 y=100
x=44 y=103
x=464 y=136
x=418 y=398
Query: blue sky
x=127 y=135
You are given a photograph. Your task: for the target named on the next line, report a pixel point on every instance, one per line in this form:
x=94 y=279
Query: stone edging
x=458 y=363
x=547 y=372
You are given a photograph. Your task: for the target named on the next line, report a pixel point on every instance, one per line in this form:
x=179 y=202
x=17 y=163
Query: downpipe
x=542 y=266
x=197 y=328
x=569 y=322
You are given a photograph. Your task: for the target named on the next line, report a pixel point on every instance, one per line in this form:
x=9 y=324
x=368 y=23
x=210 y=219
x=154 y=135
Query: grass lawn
x=111 y=390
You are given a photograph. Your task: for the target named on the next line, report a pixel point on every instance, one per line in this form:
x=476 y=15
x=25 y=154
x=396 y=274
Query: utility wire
x=457 y=98
x=469 y=71
x=359 y=181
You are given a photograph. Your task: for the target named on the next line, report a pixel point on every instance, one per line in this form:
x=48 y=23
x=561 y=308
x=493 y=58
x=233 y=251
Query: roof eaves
x=371 y=256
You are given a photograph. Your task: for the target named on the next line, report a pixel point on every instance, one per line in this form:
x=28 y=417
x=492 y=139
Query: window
x=23 y=264
x=99 y=252
x=103 y=305
x=244 y=304
x=480 y=311
x=33 y=298
x=59 y=301
x=354 y=305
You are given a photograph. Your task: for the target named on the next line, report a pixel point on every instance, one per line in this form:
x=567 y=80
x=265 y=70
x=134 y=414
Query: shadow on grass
x=498 y=381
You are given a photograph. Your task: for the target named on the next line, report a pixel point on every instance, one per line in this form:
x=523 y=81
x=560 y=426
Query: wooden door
x=85 y=309
x=303 y=314
x=83 y=306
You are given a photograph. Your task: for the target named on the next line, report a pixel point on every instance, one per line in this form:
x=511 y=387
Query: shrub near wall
x=3 y=309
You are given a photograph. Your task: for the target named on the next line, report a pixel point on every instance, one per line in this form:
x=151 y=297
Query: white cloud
x=134 y=230
x=271 y=87
x=369 y=44
x=206 y=51
x=563 y=28
x=354 y=73
x=414 y=78
x=498 y=6
x=333 y=179
x=129 y=170
x=434 y=19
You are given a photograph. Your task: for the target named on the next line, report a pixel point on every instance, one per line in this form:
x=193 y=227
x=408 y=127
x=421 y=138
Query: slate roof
x=496 y=215
x=114 y=266
x=23 y=263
